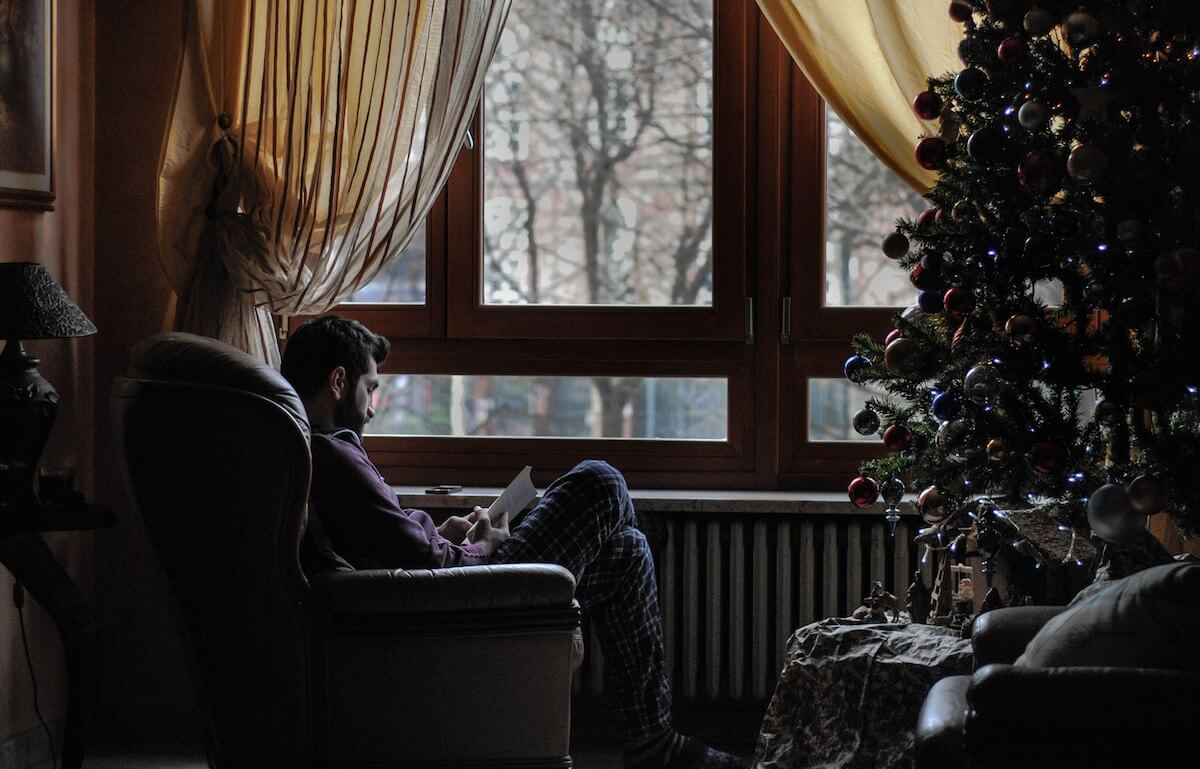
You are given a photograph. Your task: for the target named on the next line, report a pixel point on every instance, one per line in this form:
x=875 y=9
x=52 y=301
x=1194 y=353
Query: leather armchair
x=460 y=667
x=1010 y=716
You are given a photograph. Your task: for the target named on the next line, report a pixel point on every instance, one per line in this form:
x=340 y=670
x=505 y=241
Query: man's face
x=356 y=406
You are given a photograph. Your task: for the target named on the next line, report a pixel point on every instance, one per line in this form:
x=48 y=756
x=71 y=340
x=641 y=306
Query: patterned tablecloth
x=849 y=694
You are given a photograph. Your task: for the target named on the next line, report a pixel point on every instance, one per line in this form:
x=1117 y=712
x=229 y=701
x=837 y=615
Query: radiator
x=733 y=588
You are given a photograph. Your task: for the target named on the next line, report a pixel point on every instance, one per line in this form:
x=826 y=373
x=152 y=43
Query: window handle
x=469 y=140
x=749 y=320
x=785 y=322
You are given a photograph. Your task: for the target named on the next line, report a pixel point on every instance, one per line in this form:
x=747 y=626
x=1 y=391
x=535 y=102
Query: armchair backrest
x=215 y=448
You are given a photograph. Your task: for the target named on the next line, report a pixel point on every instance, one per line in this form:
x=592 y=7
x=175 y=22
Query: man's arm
x=365 y=521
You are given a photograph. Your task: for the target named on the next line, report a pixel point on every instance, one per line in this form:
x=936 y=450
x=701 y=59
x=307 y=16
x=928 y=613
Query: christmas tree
x=1051 y=360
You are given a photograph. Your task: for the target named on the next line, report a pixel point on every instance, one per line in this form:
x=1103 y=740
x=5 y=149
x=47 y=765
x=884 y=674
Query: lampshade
x=33 y=306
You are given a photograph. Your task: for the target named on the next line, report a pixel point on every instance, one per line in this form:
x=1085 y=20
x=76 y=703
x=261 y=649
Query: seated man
x=585 y=521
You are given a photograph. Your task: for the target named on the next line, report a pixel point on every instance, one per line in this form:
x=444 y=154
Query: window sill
x=670 y=501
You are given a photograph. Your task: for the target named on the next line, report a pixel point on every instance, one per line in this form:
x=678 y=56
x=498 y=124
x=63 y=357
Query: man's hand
x=455 y=528
x=489 y=533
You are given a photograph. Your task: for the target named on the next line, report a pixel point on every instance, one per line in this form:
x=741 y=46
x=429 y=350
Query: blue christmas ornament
x=970 y=83
x=855 y=365
x=930 y=301
x=946 y=406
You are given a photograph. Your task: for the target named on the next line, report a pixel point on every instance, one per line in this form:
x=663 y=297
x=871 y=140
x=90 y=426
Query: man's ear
x=337 y=383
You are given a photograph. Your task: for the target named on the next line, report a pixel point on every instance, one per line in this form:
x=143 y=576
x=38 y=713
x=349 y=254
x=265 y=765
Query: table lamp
x=32 y=306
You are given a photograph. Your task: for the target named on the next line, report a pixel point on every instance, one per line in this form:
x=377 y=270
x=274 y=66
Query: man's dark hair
x=322 y=344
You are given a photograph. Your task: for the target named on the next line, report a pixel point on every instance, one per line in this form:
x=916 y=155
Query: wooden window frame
x=769 y=199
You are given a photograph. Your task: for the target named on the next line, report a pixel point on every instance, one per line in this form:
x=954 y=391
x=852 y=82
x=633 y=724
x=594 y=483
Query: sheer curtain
x=307 y=142
x=868 y=59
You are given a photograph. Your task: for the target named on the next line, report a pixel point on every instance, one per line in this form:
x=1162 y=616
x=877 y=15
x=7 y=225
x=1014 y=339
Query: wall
x=144 y=689
x=61 y=240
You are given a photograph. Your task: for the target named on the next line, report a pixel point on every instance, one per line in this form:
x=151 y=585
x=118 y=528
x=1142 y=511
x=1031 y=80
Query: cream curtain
x=307 y=142
x=868 y=59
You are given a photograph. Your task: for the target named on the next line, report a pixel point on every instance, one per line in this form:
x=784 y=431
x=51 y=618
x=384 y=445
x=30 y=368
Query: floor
x=192 y=757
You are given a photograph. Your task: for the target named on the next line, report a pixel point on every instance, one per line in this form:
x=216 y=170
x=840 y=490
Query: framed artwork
x=27 y=104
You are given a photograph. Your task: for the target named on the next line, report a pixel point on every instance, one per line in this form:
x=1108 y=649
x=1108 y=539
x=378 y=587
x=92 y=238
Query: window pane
x=598 y=155
x=551 y=407
x=863 y=200
x=402 y=281
x=831 y=407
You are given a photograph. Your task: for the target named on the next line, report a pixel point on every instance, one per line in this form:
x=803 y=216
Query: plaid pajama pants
x=585 y=521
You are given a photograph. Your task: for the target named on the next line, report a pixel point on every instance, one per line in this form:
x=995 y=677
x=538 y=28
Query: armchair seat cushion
x=459 y=589
x=1150 y=619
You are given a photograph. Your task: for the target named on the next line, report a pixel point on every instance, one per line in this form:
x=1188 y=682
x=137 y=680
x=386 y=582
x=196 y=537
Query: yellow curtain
x=307 y=142
x=868 y=59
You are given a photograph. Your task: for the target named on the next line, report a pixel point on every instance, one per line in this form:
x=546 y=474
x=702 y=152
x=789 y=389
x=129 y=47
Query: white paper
x=515 y=498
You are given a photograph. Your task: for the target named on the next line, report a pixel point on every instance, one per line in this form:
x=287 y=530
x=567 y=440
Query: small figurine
x=918 y=599
x=875 y=606
x=964 y=597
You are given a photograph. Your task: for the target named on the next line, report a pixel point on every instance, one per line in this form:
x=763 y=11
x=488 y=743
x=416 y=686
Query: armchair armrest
x=467 y=588
x=403 y=650
x=1001 y=635
x=1079 y=706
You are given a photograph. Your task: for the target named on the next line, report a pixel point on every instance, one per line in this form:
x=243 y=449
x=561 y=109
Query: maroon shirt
x=363 y=519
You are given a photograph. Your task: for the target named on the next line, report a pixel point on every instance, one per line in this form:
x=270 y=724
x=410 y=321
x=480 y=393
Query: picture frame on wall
x=27 y=120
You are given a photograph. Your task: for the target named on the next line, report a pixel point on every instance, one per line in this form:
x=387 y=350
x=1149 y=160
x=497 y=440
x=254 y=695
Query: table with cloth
x=849 y=693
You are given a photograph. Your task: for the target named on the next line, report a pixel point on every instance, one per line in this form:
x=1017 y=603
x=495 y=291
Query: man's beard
x=349 y=418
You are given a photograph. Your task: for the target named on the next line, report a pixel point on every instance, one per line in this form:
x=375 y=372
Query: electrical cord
x=19 y=602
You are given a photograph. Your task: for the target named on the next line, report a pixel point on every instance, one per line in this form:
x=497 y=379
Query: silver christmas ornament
x=982 y=383
x=1032 y=115
x=1111 y=515
x=1081 y=29
x=866 y=422
x=892 y=490
x=1038 y=22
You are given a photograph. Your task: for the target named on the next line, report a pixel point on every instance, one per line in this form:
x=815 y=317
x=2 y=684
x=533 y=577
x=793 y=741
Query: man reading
x=585 y=521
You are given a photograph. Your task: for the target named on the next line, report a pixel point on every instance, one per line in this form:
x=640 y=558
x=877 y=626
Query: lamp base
x=28 y=406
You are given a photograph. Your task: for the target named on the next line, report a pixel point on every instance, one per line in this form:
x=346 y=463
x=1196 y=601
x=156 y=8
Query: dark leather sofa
x=460 y=667
x=1112 y=681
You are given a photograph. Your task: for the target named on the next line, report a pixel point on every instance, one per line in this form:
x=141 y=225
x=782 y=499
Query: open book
x=515 y=498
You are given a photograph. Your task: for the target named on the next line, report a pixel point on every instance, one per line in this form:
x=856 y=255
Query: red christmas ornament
x=926 y=219
x=1040 y=172
x=958 y=302
x=892 y=336
x=863 y=491
x=960 y=11
x=924 y=277
x=1048 y=456
x=1147 y=495
x=1011 y=50
x=1086 y=163
x=897 y=438
x=931 y=153
x=1022 y=328
x=927 y=105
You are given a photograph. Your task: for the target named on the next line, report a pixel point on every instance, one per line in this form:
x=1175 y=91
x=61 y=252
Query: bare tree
x=599 y=177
